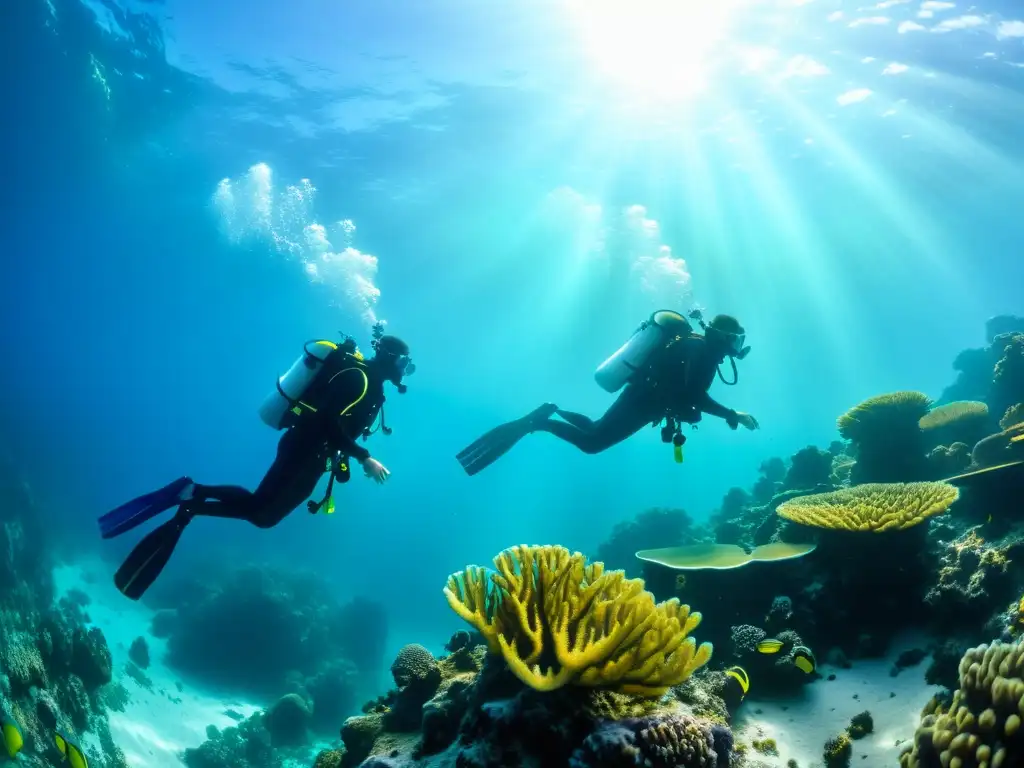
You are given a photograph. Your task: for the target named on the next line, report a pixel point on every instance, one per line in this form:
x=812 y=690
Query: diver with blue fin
x=664 y=371
x=330 y=397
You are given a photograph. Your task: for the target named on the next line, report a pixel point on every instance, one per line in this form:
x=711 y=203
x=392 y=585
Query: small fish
x=771 y=645
x=739 y=674
x=1017 y=439
x=11 y=733
x=681 y=581
x=73 y=754
x=804 y=659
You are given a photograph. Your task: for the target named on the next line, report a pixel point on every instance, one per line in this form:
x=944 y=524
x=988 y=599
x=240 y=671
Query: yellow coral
x=1014 y=415
x=953 y=413
x=558 y=620
x=882 y=413
x=871 y=507
x=981 y=724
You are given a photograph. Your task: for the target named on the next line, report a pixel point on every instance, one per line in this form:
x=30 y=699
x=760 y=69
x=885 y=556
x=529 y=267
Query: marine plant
x=872 y=507
x=558 y=620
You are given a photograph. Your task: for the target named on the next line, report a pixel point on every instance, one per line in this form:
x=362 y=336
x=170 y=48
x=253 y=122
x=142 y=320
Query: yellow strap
x=366 y=386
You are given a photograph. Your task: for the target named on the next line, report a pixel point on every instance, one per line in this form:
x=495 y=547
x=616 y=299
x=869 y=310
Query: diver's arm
x=711 y=406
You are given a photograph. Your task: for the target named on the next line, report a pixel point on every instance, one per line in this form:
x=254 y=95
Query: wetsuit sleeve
x=349 y=389
x=711 y=406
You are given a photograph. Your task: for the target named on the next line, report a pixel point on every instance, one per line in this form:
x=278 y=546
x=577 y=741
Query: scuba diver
x=666 y=369
x=328 y=398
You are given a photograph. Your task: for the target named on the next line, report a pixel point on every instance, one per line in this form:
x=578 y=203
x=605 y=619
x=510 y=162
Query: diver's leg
x=578 y=420
x=632 y=410
x=291 y=479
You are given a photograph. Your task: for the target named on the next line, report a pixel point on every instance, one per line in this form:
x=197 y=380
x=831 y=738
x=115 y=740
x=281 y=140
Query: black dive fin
x=486 y=450
x=147 y=560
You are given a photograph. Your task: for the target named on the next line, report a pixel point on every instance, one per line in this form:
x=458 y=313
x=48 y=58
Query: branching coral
x=1014 y=415
x=558 y=620
x=871 y=507
x=982 y=725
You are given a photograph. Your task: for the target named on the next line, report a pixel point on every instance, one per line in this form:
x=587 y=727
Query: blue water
x=846 y=182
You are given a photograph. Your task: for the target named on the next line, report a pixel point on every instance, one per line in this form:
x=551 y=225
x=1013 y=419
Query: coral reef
x=872 y=507
x=138 y=652
x=981 y=725
x=483 y=716
x=55 y=669
x=963 y=421
x=558 y=621
x=837 y=751
x=656 y=527
x=887 y=438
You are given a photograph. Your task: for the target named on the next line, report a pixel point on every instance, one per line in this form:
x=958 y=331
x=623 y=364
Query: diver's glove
x=375 y=470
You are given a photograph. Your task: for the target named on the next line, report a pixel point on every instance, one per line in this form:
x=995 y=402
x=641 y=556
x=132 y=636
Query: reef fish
x=804 y=659
x=11 y=734
x=742 y=680
x=770 y=645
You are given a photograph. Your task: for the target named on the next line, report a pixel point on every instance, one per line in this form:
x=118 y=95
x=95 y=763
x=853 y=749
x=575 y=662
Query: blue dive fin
x=137 y=511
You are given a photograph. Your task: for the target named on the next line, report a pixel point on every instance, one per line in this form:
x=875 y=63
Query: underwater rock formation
x=484 y=717
x=55 y=669
x=657 y=527
x=308 y=643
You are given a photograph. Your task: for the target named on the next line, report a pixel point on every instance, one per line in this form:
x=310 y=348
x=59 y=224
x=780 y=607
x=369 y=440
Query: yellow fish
x=739 y=674
x=804 y=659
x=11 y=734
x=770 y=645
x=73 y=754
x=1017 y=439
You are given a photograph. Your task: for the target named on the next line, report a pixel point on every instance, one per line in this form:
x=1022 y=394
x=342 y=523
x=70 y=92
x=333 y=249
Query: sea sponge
x=981 y=726
x=871 y=507
x=1014 y=415
x=837 y=751
x=959 y=413
x=558 y=620
x=877 y=415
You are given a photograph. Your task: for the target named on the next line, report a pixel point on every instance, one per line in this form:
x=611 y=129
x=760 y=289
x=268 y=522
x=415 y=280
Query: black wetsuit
x=676 y=385
x=349 y=403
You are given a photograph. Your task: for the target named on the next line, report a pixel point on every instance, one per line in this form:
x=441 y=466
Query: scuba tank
x=652 y=335
x=296 y=381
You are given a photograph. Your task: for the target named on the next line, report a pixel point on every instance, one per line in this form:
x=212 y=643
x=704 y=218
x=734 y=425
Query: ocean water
x=191 y=190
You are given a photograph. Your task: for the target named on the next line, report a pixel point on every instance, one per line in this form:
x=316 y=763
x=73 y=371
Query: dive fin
x=134 y=513
x=147 y=560
x=494 y=444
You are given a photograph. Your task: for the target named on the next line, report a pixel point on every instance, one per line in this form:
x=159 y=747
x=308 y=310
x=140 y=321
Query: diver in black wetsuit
x=671 y=385
x=340 y=398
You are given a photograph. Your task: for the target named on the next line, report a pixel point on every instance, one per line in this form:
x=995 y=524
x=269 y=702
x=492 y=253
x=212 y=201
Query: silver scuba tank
x=653 y=334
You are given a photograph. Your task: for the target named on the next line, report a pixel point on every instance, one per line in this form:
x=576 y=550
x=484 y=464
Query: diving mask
x=732 y=342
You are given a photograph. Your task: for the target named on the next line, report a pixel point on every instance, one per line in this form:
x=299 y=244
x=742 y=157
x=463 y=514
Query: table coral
x=871 y=507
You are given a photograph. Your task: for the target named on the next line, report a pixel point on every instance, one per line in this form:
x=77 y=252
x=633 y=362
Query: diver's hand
x=747 y=420
x=375 y=470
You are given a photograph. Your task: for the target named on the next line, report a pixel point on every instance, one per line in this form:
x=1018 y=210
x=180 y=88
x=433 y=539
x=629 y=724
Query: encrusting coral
x=557 y=620
x=982 y=724
x=871 y=507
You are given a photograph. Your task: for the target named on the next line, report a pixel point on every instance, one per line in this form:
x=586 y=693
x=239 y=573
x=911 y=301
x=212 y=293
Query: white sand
x=801 y=725
x=158 y=724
